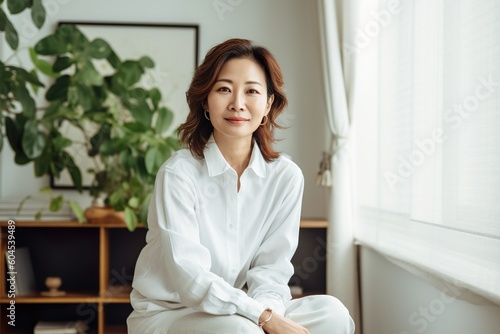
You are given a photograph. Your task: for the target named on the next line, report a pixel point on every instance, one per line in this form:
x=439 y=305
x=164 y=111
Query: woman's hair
x=196 y=131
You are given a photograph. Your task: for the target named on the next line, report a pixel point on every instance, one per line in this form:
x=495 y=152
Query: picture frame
x=174 y=48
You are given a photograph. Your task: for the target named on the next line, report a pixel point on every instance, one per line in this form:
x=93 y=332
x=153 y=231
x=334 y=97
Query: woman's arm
x=271 y=268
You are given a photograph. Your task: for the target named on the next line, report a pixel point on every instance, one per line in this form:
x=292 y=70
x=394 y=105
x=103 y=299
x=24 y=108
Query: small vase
x=53 y=283
x=104 y=215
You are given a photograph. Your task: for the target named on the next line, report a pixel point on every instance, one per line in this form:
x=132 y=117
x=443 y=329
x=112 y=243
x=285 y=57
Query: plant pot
x=104 y=215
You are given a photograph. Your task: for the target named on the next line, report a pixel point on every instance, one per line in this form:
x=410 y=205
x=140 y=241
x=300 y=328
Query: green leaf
x=62 y=63
x=13 y=134
x=59 y=90
x=17 y=6
x=35 y=87
x=43 y=66
x=130 y=219
x=14 y=130
x=100 y=137
x=138 y=94
x=155 y=96
x=88 y=76
x=11 y=34
x=111 y=147
x=61 y=143
x=33 y=141
x=73 y=38
x=21 y=159
x=53 y=111
x=3 y=20
x=77 y=211
x=127 y=161
x=129 y=73
x=73 y=169
x=85 y=95
x=141 y=171
x=23 y=96
x=150 y=159
x=146 y=62
x=52 y=45
x=164 y=120
x=38 y=13
x=136 y=127
x=143 y=214
x=38 y=215
x=155 y=157
x=21 y=204
x=113 y=59
x=99 y=49
x=42 y=164
x=141 y=112
x=133 y=202
x=117 y=199
x=45 y=190
x=26 y=76
x=56 y=203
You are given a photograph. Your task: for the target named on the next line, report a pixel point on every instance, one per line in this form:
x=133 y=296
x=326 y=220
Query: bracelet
x=262 y=323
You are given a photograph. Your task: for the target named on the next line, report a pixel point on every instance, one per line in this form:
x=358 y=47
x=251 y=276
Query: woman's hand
x=281 y=325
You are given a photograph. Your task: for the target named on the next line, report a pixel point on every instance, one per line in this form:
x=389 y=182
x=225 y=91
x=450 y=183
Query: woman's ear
x=269 y=103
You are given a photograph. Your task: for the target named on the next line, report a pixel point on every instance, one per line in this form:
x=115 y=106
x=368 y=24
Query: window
x=427 y=149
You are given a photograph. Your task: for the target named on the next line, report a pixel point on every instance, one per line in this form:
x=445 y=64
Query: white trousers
x=320 y=314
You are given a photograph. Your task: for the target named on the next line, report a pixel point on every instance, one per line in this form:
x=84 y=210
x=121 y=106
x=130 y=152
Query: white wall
x=287 y=27
x=397 y=302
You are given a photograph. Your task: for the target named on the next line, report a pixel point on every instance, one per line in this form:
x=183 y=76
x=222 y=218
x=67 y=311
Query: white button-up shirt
x=206 y=239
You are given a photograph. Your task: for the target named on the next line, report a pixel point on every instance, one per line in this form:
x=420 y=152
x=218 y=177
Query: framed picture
x=174 y=50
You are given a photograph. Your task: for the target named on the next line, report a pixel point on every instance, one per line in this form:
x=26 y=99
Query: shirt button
x=231 y=226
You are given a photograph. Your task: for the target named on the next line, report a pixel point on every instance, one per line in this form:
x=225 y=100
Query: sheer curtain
x=336 y=18
x=427 y=152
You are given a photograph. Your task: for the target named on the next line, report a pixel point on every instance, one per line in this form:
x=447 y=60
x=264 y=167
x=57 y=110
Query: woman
x=224 y=216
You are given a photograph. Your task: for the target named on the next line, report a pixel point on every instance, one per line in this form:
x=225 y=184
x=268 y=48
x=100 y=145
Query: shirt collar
x=217 y=164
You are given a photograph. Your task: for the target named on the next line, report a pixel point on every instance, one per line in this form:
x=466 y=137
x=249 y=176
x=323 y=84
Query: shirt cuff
x=276 y=305
x=250 y=308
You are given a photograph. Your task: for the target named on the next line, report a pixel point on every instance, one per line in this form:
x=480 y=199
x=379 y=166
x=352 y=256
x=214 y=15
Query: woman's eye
x=253 y=91
x=224 y=89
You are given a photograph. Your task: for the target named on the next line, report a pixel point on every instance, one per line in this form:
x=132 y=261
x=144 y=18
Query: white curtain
x=335 y=18
x=427 y=151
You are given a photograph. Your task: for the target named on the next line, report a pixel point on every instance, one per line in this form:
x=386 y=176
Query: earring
x=206 y=114
x=264 y=120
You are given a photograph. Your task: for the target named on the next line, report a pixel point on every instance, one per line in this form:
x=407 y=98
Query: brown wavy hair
x=196 y=131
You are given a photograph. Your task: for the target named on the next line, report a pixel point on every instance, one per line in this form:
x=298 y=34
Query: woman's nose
x=237 y=102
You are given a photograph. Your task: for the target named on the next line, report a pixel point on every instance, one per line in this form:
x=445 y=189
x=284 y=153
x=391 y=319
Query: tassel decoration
x=324 y=177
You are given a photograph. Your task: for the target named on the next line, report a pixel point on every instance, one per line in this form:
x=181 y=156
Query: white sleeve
x=271 y=268
x=172 y=212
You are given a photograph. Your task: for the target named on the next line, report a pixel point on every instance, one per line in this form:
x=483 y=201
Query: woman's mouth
x=236 y=120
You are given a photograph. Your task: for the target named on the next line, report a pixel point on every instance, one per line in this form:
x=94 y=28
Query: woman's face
x=238 y=100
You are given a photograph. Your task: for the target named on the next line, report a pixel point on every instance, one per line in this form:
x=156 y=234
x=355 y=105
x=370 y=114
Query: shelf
x=313 y=223
x=109 y=302
x=117 y=299
x=64 y=224
x=69 y=298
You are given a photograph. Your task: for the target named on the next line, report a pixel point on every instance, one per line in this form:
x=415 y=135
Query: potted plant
x=123 y=127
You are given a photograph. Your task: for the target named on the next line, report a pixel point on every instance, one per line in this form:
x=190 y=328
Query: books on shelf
x=9 y=209
x=19 y=264
x=70 y=327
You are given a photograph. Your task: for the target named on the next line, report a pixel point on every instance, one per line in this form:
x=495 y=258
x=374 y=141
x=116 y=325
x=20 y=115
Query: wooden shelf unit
x=99 y=298
x=102 y=297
